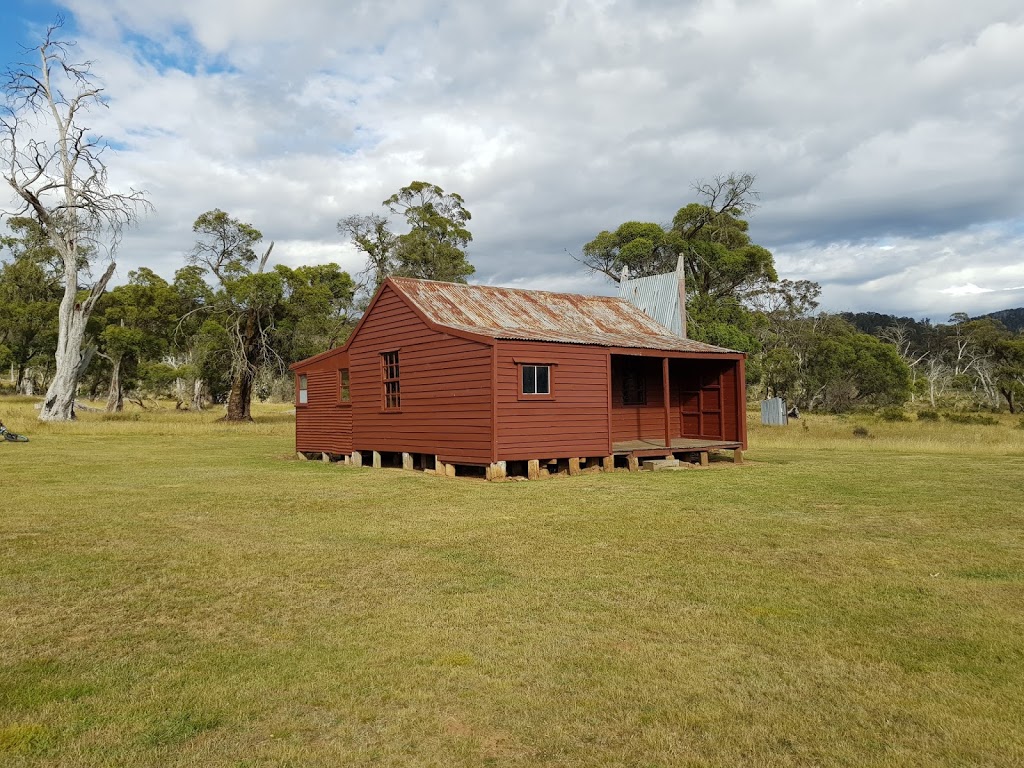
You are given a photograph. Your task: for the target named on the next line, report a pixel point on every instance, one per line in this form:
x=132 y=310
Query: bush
x=893 y=413
x=971 y=418
x=861 y=432
x=928 y=415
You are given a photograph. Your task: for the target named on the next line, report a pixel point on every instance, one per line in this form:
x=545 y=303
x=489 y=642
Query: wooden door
x=700 y=404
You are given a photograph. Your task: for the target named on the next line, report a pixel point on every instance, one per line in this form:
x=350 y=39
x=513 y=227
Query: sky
x=887 y=136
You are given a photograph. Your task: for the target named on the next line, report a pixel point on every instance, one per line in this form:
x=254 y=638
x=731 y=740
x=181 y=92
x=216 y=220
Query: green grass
x=177 y=592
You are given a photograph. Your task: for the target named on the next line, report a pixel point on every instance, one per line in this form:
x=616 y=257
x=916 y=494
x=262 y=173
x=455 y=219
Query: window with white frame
x=536 y=379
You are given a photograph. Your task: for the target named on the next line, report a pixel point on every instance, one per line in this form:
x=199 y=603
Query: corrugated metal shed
x=508 y=313
x=657 y=296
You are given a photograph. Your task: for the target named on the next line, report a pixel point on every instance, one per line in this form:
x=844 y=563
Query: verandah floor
x=679 y=444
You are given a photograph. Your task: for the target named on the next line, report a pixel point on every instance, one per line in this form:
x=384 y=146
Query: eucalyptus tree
x=29 y=297
x=138 y=324
x=244 y=302
x=54 y=165
x=722 y=264
x=434 y=248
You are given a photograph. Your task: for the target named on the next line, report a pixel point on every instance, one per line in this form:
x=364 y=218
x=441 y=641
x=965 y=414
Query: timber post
x=608 y=463
x=376 y=459
x=496 y=471
x=325 y=458
x=407 y=461
x=449 y=470
x=574 y=465
x=705 y=458
x=356 y=459
x=634 y=463
x=737 y=456
x=533 y=469
x=301 y=456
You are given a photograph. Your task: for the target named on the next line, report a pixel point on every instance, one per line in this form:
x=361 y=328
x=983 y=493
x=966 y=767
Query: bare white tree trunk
x=72 y=356
x=197 y=395
x=55 y=166
x=115 y=396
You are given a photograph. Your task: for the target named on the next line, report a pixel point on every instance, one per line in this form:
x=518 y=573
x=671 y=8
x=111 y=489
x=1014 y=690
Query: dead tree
x=54 y=165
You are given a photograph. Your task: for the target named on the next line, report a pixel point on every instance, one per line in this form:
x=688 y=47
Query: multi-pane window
x=634 y=386
x=344 y=394
x=389 y=373
x=303 y=389
x=536 y=379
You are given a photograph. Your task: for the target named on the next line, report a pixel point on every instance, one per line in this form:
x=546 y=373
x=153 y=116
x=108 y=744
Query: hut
x=442 y=375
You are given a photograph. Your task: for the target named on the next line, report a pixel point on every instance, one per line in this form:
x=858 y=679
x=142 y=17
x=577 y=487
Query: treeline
x=817 y=361
x=964 y=362
x=226 y=321
x=225 y=328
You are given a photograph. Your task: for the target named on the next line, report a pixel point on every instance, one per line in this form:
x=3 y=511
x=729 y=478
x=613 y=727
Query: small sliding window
x=536 y=379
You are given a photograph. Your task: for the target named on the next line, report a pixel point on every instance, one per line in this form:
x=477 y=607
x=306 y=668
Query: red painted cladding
x=445 y=387
x=461 y=393
x=323 y=425
x=573 y=422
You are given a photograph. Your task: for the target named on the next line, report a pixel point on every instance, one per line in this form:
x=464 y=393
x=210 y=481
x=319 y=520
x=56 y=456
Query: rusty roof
x=568 y=318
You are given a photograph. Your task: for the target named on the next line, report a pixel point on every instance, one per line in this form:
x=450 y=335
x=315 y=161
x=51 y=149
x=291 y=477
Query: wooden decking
x=679 y=445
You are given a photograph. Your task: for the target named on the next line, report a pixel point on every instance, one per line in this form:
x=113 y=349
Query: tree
x=257 y=319
x=371 y=235
x=55 y=167
x=783 y=309
x=245 y=302
x=841 y=367
x=1009 y=373
x=192 y=353
x=139 y=319
x=722 y=264
x=317 y=312
x=29 y=295
x=432 y=249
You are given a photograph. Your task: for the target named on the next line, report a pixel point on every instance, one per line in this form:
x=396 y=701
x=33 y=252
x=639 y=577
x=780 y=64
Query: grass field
x=177 y=592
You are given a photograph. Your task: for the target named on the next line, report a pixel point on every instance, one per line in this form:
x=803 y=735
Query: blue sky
x=885 y=134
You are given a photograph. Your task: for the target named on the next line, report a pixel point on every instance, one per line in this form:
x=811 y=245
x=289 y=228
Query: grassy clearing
x=178 y=592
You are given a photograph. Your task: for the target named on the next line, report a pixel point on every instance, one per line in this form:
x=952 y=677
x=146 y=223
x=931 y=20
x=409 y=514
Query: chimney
x=681 y=278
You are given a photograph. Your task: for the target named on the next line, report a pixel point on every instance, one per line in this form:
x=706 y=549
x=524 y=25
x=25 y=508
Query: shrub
x=928 y=415
x=861 y=432
x=893 y=413
x=971 y=418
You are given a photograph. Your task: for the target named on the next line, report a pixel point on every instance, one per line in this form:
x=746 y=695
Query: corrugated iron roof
x=568 y=318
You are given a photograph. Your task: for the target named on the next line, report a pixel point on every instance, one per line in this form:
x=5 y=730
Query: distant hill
x=1013 y=319
x=874 y=322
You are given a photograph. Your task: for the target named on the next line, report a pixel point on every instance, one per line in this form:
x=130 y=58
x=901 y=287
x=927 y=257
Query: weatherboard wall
x=445 y=385
x=323 y=424
x=572 y=421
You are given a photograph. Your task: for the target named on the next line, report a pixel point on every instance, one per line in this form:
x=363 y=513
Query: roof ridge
x=505 y=288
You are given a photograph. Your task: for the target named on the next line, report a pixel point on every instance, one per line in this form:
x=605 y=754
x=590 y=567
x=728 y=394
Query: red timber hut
x=501 y=380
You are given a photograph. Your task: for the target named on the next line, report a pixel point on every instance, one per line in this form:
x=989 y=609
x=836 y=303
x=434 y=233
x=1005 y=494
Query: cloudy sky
x=887 y=136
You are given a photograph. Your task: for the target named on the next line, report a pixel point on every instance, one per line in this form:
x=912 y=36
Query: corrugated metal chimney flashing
x=661 y=297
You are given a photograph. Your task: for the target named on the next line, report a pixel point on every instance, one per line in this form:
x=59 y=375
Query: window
x=389 y=374
x=634 y=386
x=303 y=389
x=536 y=379
x=344 y=393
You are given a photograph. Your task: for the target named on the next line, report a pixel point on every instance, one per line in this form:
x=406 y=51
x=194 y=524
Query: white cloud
x=885 y=135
